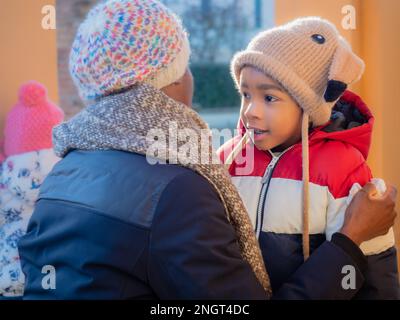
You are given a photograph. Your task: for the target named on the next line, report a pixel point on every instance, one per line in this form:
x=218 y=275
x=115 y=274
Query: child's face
x=269 y=110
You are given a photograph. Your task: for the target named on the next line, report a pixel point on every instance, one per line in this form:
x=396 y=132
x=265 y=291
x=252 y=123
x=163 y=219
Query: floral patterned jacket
x=20 y=178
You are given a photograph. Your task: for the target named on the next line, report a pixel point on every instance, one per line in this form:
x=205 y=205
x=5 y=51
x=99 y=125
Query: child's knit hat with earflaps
x=315 y=65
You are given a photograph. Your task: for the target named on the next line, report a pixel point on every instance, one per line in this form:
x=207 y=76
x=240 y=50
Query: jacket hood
x=351 y=122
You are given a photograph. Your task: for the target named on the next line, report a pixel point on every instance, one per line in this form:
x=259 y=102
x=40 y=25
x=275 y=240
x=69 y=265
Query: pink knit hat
x=30 y=122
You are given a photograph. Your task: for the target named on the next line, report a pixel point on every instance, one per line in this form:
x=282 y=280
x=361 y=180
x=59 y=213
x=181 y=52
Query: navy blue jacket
x=115 y=227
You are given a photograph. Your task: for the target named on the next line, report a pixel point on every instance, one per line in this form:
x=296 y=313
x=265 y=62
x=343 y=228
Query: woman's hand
x=369 y=215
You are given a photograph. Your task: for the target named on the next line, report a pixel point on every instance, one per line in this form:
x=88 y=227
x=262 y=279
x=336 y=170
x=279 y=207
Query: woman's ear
x=177 y=82
x=345 y=69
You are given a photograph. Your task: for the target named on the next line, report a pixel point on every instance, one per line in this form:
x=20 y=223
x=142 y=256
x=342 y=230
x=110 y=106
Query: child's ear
x=345 y=69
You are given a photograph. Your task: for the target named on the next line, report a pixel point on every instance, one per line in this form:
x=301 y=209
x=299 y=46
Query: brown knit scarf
x=122 y=121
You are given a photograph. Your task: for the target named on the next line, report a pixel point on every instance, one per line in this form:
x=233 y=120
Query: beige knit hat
x=315 y=65
x=309 y=59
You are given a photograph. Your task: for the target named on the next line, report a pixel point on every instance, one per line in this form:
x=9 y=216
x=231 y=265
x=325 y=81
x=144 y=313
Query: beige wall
x=381 y=90
x=27 y=51
x=376 y=40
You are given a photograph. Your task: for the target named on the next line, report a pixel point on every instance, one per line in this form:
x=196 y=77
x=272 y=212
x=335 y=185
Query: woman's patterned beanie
x=123 y=42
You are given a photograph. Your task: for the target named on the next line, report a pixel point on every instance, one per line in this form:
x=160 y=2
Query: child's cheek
x=242 y=117
x=272 y=140
x=264 y=144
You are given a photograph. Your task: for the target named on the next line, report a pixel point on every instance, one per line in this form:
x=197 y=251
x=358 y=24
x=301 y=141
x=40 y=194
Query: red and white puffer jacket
x=271 y=188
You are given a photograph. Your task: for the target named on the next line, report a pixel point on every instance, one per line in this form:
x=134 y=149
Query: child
x=29 y=157
x=311 y=140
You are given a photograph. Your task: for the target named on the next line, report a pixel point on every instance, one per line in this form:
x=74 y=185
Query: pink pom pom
x=32 y=94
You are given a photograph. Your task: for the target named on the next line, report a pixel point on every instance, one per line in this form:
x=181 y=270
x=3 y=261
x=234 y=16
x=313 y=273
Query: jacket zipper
x=264 y=190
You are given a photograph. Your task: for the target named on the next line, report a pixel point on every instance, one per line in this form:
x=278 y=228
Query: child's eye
x=269 y=98
x=245 y=95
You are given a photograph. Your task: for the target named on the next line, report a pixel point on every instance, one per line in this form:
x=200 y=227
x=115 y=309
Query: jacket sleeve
x=193 y=252
x=335 y=270
x=381 y=277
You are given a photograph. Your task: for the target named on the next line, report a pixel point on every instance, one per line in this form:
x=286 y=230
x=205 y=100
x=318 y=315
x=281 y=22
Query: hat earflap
x=346 y=68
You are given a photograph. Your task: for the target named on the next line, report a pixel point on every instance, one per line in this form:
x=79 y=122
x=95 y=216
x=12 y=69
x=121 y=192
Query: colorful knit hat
x=315 y=65
x=123 y=42
x=30 y=122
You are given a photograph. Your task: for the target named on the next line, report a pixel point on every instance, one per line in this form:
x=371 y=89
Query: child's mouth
x=258 y=131
x=257 y=134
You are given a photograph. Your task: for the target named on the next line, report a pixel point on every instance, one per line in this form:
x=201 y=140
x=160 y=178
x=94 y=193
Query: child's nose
x=253 y=111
